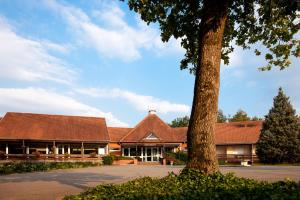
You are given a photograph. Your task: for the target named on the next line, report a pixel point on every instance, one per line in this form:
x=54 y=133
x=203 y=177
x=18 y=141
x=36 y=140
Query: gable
x=150 y=124
x=151 y=136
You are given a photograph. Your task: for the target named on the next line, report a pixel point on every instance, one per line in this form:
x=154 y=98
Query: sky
x=97 y=58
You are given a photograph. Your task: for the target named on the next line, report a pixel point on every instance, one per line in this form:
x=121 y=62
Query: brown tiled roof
x=238 y=132
x=53 y=127
x=151 y=124
x=116 y=133
x=230 y=133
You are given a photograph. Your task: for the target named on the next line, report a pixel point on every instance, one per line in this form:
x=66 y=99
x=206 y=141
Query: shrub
x=192 y=184
x=108 y=160
x=122 y=158
x=8 y=168
x=66 y=155
x=178 y=158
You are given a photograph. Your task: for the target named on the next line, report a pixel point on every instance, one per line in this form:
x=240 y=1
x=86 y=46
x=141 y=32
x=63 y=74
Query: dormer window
x=151 y=136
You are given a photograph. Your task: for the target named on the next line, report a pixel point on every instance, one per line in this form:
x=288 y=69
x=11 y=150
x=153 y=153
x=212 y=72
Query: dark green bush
x=108 y=160
x=192 y=184
x=8 y=168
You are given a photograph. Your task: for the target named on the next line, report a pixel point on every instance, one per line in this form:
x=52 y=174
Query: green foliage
x=178 y=158
x=108 y=160
x=221 y=117
x=122 y=158
x=240 y=116
x=192 y=184
x=180 y=122
x=280 y=134
x=272 y=24
x=20 y=167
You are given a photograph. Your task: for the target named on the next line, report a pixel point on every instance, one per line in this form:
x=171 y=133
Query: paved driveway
x=58 y=183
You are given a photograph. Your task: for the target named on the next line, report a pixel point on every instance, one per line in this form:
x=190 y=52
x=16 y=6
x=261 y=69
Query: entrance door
x=151 y=154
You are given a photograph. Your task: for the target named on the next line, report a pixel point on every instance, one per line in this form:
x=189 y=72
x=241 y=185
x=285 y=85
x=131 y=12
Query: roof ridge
x=43 y=114
x=134 y=128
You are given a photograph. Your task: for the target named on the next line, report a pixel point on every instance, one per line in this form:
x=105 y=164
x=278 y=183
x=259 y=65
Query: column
x=107 y=149
x=82 y=150
x=63 y=150
x=6 y=149
x=47 y=151
x=129 y=151
x=69 y=150
x=142 y=152
x=54 y=149
x=122 y=151
x=161 y=152
x=27 y=150
x=99 y=150
x=151 y=154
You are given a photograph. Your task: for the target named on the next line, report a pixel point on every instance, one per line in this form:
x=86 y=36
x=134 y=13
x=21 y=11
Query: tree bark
x=201 y=142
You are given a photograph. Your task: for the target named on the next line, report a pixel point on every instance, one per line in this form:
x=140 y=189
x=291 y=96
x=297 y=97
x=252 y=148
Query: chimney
x=152 y=112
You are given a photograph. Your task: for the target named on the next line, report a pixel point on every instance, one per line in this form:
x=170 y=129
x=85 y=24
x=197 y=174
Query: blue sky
x=97 y=58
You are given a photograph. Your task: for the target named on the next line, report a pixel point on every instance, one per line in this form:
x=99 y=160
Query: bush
x=8 y=168
x=36 y=154
x=108 y=160
x=178 y=158
x=192 y=184
x=122 y=158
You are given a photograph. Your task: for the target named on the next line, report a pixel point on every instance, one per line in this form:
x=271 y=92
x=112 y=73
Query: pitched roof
x=230 y=133
x=116 y=133
x=238 y=132
x=151 y=124
x=53 y=127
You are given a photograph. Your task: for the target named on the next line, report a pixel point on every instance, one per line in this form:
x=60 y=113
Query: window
x=151 y=136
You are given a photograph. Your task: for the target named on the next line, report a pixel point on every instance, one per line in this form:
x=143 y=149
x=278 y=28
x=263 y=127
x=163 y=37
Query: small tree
x=221 y=117
x=240 y=116
x=180 y=122
x=279 y=138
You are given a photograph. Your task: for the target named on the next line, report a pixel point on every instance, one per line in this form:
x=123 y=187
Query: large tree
x=239 y=116
x=180 y=122
x=208 y=30
x=279 y=138
x=221 y=117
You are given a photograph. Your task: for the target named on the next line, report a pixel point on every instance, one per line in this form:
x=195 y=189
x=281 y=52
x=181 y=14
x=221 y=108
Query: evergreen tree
x=279 y=138
x=240 y=116
x=221 y=117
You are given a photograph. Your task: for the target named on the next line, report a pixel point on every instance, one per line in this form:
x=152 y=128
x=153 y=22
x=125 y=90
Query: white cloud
x=39 y=100
x=140 y=102
x=114 y=38
x=29 y=60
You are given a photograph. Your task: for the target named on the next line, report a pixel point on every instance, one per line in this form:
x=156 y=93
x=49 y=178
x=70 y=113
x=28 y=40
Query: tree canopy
x=209 y=30
x=240 y=116
x=280 y=134
x=272 y=24
x=180 y=122
x=221 y=117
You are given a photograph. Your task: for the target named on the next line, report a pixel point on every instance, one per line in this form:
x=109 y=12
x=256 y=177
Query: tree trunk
x=201 y=141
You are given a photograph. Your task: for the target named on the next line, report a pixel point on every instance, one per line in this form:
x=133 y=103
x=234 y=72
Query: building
x=60 y=136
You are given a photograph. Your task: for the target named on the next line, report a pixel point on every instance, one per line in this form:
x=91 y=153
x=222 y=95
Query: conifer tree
x=279 y=138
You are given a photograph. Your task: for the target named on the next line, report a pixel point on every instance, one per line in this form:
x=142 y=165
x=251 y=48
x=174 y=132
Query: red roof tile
x=230 y=133
x=151 y=124
x=116 y=133
x=53 y=127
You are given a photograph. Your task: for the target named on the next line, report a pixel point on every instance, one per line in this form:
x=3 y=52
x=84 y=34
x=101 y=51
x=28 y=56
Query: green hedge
x=108 y=160
x=191 y=184
x=19 y=167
